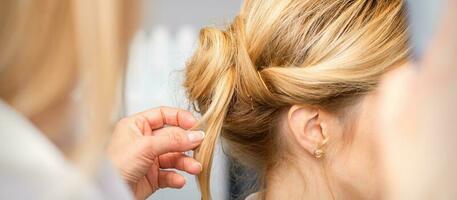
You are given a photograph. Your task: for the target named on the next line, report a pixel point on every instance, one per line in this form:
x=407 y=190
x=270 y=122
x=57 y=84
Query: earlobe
x=305 y=128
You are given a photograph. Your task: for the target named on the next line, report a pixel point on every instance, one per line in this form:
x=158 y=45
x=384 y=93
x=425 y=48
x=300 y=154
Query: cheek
x=362 y=156
x=358 y=162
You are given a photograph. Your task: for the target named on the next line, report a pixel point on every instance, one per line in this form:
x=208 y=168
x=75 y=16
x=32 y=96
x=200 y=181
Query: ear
x=306 y=128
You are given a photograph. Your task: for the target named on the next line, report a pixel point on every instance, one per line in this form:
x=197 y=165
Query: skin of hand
x=418 y=121
x=145 y=145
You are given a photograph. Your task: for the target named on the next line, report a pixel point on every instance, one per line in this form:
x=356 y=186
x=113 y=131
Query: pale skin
x=144 y=145
x=347 y=170
x=402 y=144
x=147 y=148
x=419 y=143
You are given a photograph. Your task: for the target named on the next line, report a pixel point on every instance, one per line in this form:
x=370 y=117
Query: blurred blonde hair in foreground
x=50 y=47
x=279 y=53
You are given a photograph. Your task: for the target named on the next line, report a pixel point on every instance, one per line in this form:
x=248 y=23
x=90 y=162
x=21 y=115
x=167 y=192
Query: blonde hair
x=279 y=53
x=50 y=46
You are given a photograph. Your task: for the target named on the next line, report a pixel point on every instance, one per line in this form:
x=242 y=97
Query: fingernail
x=196 y=136
x=198 y=165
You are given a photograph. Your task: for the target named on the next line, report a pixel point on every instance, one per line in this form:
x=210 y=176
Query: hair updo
x=279 y=53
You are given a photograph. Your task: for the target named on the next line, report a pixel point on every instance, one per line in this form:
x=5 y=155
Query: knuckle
x=140 y=122
x=176 y=139
x=162 y=107
x=148 y=148
x=123 y=122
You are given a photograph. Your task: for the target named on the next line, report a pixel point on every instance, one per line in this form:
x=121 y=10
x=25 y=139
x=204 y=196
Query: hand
x=145 y=144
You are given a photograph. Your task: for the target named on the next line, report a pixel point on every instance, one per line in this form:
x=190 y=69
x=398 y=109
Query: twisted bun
x=281 y=53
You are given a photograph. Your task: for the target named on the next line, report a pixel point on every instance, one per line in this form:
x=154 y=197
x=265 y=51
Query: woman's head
x=49 y=48
x=285 y=75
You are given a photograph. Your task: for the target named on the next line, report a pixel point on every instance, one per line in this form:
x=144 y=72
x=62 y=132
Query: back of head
x=290 y=52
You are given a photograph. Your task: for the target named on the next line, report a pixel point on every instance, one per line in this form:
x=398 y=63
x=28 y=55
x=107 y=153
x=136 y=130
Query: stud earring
x=318 y=153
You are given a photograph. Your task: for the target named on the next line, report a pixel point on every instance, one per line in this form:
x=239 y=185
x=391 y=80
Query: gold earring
x=318 y=153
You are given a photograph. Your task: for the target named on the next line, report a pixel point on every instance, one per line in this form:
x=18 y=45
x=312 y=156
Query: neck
x=302 y=181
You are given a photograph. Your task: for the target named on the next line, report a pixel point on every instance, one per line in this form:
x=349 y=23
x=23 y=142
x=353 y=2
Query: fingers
x=159 y=117
x=172 y=139
x=181 y=162
x=171 y=179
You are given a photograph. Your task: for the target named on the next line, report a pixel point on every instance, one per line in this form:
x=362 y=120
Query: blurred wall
x=424 y=15
x=198 y=13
